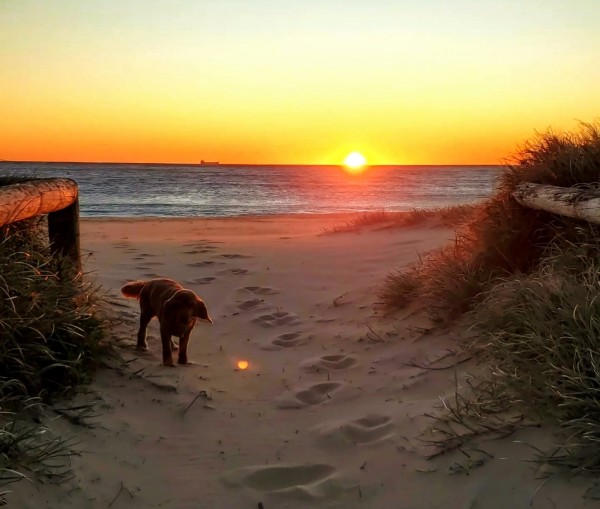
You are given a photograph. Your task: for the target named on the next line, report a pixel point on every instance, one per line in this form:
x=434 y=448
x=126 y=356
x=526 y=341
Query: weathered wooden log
x=573 y=202
x=35 y=198
x=57 y=197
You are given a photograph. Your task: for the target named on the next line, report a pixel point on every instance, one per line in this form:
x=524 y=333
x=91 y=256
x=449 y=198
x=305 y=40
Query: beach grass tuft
x=527 y=282
x=501 y=238
x=50 y=332
x=439 y=216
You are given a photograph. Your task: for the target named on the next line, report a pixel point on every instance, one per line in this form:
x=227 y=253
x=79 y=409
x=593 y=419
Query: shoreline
x=254 y=217
x=234 y=229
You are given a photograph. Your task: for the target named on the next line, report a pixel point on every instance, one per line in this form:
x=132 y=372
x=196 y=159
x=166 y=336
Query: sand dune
x=331 y=409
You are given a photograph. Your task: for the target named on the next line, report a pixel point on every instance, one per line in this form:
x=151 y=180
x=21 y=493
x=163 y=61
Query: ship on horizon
x=209 y=163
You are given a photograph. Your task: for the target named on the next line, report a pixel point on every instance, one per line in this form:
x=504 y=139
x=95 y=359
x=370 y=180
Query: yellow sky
x=300 y=81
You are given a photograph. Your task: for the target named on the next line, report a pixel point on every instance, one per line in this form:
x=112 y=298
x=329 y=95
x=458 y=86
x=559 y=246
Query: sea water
x=150 y=190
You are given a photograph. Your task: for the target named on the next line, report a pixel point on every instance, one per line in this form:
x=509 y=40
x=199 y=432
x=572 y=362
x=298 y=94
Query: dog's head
x=184 y=307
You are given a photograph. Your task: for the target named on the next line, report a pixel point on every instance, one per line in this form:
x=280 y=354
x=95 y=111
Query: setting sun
x=355 y=162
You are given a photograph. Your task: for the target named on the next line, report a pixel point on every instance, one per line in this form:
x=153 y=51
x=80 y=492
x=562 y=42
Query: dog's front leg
x=165 y=338
x=183 y=343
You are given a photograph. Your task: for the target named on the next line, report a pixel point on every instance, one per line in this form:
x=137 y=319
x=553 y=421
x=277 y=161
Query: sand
x=331 y=411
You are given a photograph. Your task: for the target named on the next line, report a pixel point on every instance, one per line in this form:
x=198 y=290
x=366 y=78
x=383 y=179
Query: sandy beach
x=331 y=411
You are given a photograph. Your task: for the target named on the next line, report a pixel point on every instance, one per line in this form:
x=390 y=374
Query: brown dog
x=176 y=309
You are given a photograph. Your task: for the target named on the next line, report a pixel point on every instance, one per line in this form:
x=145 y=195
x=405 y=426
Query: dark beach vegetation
x=528 y=282
x=49 y=335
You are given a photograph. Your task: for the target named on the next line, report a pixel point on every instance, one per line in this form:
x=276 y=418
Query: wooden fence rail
x=57 y=197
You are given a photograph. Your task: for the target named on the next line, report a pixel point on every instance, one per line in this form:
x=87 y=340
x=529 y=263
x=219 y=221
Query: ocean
x=152 y=190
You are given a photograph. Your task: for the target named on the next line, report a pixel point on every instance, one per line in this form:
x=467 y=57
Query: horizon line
x=207 y=164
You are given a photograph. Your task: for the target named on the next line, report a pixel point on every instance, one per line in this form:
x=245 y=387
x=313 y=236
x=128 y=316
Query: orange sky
x=305 y=81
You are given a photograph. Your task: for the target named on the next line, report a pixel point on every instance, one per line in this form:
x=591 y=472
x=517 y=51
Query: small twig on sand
x=375 y=337
x=440 y=368
x=540 y=487
x=201 y=393
x=114 y=499
x=335 y=301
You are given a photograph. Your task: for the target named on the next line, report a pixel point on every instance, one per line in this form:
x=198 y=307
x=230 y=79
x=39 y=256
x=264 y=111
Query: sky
x=293 y=81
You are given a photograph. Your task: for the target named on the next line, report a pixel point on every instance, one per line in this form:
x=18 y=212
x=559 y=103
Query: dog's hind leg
x=145 y=318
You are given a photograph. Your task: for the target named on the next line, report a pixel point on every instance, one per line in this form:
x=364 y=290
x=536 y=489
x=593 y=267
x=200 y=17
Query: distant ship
x=209 y=163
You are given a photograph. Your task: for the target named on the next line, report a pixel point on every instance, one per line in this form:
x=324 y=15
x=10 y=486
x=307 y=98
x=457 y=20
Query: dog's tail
x=133 y=289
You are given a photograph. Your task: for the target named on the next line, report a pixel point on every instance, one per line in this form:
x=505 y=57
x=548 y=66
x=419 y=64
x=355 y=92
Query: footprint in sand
x=143 y=256
x=370 y=429
x=309 y=482
x=233 y=256
x=252 y=304
x=277 y=319
x=204 y=280
x=260 y=290
x=313 y=395
x=236 y=271
x=329 y=363
x=286 y=340
x=289 y=339
x=201 y=264
x=200 y=251
x=202 y=244
x=325 y=320
x=152 y=275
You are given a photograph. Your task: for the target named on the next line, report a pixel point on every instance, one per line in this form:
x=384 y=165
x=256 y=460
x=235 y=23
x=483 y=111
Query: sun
x=355 y=162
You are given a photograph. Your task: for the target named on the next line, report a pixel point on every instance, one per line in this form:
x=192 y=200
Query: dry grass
x=441 y=216
x=503 y=238
x=529 y=283
x=49 y=335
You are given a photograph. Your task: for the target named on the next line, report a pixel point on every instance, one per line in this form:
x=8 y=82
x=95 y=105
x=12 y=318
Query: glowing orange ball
x=242 y=364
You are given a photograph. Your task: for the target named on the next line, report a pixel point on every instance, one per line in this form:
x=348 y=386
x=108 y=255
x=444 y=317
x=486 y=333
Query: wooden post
x=57 y=197
x=573 y=202
x=63 y=230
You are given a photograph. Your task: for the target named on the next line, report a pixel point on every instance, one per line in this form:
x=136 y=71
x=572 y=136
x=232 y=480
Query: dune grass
x=439 y=216
x=503 y=238
x=529 y=283
x=49 y=335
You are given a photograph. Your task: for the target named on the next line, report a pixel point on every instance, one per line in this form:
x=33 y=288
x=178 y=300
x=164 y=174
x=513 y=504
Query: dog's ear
x=201 y=311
